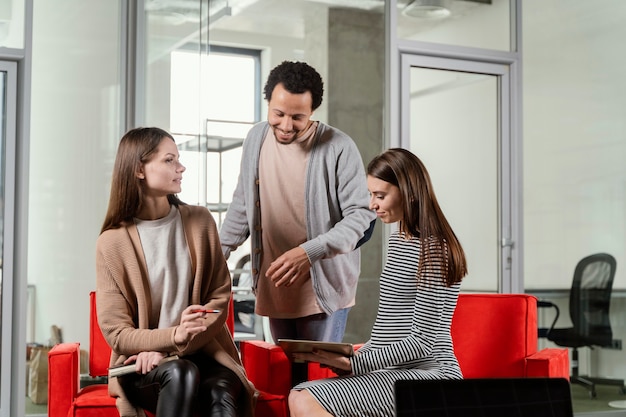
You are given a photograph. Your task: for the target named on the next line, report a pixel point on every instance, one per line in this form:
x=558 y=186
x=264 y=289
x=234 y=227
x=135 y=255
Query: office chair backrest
x=590 y=297
x=485 y=397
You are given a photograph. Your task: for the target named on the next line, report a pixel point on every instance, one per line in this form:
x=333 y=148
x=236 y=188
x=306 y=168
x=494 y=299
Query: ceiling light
x=429 y=9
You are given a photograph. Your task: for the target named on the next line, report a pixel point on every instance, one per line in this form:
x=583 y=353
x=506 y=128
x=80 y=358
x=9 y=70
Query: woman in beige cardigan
x=163 y=289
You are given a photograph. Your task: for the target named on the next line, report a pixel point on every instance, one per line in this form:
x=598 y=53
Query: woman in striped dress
x=419 y=287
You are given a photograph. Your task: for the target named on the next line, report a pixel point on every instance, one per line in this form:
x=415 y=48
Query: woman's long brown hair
x=423 y=218
x=136 y=148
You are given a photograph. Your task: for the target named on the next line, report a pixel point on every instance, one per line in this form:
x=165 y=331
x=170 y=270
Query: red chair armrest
x=267 y=366
x=549 y=362
x=271 y=405
x=63 y=378
x=317 y=371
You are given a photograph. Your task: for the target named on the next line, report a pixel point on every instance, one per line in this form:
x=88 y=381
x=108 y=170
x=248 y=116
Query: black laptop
x=497 y=397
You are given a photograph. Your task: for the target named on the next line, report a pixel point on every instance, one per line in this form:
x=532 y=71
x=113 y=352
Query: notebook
x=119 y=370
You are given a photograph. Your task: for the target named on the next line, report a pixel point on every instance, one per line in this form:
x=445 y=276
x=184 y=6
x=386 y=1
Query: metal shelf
x=204 y=143
x=225 y=135
x=217 y=207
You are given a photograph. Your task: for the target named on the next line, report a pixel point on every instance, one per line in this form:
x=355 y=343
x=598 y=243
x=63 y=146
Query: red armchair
x=494 y=336
x=67 y=399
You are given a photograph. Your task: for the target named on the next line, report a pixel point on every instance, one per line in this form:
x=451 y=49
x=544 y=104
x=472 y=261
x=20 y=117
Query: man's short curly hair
x=297 y=78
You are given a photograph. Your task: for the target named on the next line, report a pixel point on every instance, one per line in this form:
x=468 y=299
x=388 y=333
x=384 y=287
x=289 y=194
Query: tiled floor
x=35 y=409
x=584 y=405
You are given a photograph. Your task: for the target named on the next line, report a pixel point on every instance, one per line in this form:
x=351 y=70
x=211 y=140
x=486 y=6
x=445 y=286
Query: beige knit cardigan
x=124 y=303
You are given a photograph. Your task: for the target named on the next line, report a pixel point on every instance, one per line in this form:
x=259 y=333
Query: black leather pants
x=194 y=385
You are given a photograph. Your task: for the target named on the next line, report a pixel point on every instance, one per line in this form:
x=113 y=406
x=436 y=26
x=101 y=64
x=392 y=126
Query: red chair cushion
x=94 y=401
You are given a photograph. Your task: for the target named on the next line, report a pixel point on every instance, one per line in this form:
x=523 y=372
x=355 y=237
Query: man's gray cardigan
x=337 y=213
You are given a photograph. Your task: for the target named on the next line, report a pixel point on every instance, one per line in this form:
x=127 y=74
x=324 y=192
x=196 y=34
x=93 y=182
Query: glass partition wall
x=75 y=126
x=206 y=63
x=574 y=148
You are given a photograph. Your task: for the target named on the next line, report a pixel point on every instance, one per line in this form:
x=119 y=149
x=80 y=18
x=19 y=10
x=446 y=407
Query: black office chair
x=589 y=302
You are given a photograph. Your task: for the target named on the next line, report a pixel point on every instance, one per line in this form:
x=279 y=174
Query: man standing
x=302 y=197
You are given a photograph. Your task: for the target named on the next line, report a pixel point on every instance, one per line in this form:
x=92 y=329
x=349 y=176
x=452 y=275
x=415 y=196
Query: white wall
x=574 y=138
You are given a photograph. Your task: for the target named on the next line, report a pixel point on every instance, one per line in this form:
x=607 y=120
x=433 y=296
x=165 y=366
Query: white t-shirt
x=169 y=267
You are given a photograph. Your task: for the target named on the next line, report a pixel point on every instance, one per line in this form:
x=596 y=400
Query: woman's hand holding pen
x=191 y=323
x=289 y=267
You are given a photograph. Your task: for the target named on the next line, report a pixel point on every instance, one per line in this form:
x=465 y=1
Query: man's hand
x=289 y=267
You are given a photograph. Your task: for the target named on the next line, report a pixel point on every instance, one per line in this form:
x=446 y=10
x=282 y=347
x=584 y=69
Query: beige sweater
x=124 y=304
x=282 y=176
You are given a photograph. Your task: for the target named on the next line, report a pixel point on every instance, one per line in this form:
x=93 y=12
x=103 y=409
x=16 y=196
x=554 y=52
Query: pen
x=205 y=311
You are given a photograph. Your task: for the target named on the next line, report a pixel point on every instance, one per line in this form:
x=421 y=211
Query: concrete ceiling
x=277 y=17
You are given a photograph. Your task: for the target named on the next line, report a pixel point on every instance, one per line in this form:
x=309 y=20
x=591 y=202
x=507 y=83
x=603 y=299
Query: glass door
x=456 y=119
x=8 y=91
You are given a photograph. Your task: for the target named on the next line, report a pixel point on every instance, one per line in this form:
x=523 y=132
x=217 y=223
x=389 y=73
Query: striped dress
x=410 y=338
